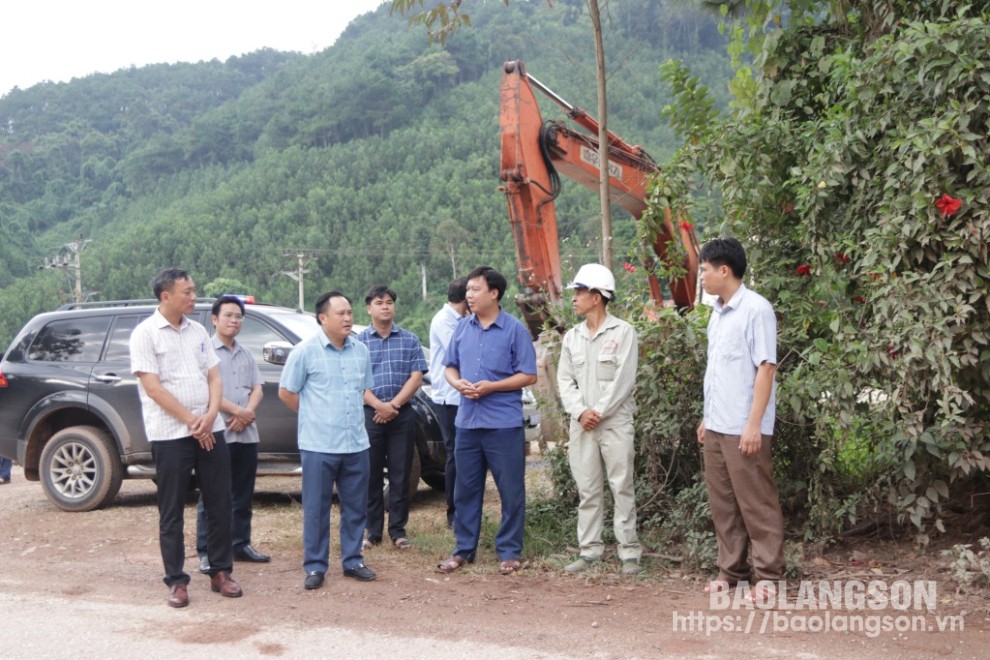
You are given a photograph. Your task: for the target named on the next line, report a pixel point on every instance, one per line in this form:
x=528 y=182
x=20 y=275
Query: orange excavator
x=534 y=155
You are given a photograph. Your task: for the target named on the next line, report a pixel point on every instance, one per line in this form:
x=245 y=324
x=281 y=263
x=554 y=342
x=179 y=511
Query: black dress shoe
x=247 y=553
x=360 y=572
x=204 y=564
x=314 y=580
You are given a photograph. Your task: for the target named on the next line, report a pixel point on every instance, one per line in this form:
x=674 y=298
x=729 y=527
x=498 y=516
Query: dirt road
x=89 y=585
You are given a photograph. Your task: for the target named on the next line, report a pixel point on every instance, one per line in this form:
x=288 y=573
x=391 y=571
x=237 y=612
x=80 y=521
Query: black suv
x=70 y=412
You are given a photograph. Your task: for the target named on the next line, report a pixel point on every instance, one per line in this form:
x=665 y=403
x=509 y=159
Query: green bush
x=854 y=169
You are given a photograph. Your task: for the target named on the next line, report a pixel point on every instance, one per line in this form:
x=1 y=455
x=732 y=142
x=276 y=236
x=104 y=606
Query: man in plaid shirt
x=397 y=365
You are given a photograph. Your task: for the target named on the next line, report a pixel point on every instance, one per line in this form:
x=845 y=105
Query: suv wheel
x=80 y=470
x=436 y=481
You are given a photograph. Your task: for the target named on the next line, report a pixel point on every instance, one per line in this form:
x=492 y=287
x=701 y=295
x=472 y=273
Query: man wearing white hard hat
x=596 y=377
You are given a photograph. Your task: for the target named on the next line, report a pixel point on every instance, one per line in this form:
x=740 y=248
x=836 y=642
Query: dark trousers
x=243 y=470
x=503 y=451
x=175 y=461
x=320 y=472
x=446 y=414
x=392 y=446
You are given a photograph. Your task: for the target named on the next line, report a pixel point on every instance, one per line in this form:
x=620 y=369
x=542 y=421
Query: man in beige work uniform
x=595 y=378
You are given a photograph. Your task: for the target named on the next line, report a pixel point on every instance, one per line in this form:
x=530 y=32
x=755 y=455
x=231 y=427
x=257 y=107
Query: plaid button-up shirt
x=393 y=359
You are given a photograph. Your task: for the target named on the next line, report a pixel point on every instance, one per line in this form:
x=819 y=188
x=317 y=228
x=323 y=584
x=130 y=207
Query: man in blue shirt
x=445 y=398
x=737 y=428
x=491 y=358
x=324 y=380
x=397 y=365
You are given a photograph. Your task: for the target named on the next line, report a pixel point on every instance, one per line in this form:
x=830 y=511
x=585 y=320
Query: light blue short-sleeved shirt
x=330 y=383
x=742 y=334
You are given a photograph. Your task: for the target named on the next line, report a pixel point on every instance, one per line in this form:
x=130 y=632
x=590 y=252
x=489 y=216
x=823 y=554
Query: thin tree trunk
x=603 y=188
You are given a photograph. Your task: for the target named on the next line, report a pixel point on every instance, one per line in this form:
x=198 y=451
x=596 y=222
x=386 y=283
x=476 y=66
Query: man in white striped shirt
x=180 y=388
x=738 y=423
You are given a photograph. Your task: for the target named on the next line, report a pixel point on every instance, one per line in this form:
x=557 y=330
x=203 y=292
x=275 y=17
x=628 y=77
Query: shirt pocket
x=734 y=348
x=606 y=367
x=202 y=361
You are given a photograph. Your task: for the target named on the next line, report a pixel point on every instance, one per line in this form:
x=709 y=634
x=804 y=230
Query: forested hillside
x=381 y=153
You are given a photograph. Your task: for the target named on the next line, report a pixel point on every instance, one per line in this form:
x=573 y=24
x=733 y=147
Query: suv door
x=113 y=390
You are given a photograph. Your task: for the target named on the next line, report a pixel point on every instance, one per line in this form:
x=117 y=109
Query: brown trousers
x=745 y=509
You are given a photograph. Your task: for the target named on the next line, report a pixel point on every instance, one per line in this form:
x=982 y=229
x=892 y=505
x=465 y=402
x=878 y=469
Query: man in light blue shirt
x=445 y=398
x=738 y=423
x=324 y=381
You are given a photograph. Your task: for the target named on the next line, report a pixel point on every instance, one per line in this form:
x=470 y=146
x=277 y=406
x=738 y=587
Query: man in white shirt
x=737 y=428
x=180 y=390
x=445 y=398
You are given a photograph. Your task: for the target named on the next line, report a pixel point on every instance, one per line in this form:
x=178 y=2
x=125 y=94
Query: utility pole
x=70 y=258
x=302 y=257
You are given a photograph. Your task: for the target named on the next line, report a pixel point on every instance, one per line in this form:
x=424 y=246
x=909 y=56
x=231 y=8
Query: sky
x=59 y=40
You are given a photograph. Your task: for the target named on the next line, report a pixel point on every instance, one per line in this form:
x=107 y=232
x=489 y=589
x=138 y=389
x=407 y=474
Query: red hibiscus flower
x=628 y=266
x=804 y=270
x=686 y=226
x=842 y=258
x=948 y=205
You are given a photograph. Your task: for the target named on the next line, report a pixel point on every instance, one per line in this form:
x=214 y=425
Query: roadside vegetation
x=853 y=165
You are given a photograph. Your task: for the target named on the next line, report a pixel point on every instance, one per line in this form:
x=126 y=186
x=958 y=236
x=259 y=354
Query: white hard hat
x=597 y=277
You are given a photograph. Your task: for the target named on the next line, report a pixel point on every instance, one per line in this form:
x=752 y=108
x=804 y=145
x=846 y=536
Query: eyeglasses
x=232 y=317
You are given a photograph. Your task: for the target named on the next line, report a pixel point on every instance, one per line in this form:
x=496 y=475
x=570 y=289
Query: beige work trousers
x=745 y=509
x=595 y=456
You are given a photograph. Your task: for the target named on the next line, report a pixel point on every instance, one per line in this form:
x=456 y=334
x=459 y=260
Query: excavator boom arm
x=534 y=154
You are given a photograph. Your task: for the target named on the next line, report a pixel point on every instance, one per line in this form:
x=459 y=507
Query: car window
x=255 y=334
x=70 y=340
x=119 y=346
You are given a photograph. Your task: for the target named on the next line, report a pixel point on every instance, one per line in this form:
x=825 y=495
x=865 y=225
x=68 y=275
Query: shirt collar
x=734 y=301
x=162 y=322
x=394 y=331
x=608 y=322
x=218 y=344
x=325 y=341
x=498 y=319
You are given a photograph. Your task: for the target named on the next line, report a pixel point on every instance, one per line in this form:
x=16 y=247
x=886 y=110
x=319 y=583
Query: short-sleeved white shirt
x=742 y=335
x=181 y=359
